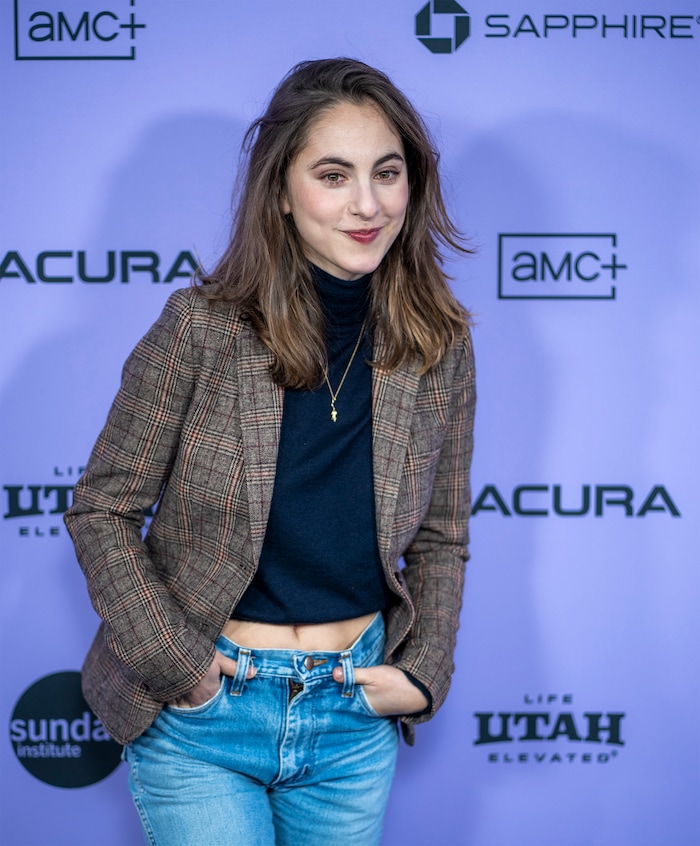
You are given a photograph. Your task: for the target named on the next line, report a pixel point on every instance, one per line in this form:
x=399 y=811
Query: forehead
x=345 y=128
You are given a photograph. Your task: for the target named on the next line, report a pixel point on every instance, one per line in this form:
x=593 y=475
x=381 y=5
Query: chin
x=366 y=265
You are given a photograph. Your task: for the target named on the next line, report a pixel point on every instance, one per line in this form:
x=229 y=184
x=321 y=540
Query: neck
x=345 y=303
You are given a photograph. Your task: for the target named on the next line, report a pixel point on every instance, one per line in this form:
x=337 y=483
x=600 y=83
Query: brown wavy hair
x=264 y=271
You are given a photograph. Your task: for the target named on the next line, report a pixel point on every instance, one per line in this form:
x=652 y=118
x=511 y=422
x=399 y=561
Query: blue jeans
x=287 y=757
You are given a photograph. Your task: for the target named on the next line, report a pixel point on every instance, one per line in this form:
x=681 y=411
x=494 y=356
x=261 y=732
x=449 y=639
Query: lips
x=363 y=236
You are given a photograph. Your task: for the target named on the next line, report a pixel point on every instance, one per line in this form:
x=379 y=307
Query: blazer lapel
x=393 y=401
x=261 y=402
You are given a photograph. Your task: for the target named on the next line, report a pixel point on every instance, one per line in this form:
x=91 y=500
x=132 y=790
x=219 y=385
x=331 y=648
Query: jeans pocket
x=198 y=710
x=363 y=700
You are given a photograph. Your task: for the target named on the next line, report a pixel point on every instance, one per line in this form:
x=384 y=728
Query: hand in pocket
x=208 y=687
x=387 y=689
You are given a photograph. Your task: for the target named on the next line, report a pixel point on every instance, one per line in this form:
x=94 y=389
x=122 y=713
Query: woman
x=304 y=417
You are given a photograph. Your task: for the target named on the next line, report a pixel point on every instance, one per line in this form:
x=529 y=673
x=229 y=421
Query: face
x=347 y=190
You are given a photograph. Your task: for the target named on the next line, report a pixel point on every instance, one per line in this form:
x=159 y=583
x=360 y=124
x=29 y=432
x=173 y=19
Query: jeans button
x=309 y=662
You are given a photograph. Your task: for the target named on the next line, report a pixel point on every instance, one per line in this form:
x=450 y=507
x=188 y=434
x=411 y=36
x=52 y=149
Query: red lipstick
x=364 y=236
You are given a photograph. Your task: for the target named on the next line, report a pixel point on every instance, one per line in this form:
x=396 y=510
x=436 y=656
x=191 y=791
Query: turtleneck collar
x=344 y=302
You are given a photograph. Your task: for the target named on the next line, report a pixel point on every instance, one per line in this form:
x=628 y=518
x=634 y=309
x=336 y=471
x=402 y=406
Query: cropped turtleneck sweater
x=320 y=561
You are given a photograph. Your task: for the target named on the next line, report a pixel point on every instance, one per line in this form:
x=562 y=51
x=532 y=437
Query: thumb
x=227 y=666
x=363 y=675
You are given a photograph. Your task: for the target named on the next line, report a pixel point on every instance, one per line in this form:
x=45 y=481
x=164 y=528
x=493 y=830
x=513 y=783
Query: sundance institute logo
x=442 y=26
x=76 y=29
x=57 y=738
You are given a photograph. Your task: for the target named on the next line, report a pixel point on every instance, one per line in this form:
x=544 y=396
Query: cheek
x=302 y=201
x=399 y=204
x=404 y=201
x=315 y=208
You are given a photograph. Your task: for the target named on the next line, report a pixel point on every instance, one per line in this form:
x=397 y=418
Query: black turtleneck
x=320 y=561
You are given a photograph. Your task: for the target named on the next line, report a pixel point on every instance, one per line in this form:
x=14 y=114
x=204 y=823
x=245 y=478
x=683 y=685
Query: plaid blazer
x=196 y=425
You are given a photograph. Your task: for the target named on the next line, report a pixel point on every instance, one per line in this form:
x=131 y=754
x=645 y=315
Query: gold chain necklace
x=334 y=394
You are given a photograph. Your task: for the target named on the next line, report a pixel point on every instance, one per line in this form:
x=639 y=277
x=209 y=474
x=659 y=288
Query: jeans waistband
x=307 y=666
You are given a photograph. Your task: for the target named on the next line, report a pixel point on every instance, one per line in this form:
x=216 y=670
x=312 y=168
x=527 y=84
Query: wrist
x=423 y=689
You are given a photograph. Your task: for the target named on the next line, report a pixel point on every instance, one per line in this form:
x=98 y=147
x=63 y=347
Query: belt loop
x=348 y=673
x=242 y=665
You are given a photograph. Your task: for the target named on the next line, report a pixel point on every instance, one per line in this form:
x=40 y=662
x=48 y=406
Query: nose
x=363 y=202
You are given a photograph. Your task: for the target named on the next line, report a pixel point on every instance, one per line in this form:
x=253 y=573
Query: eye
x=387 y=175
x=333 y=178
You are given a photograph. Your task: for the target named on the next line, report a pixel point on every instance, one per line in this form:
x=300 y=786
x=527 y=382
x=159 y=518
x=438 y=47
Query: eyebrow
x=336 y=160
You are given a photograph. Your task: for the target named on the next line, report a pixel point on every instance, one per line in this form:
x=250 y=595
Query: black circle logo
x=57 y=738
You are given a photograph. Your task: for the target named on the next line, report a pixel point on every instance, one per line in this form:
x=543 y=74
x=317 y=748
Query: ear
x=284 y=204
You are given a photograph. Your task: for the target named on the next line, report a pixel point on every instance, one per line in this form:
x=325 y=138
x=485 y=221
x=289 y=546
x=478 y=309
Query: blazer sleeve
x=126 y=472
x=435 y=559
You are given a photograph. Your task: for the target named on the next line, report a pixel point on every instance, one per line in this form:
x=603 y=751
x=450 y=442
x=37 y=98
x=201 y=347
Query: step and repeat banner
x=570 y=147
